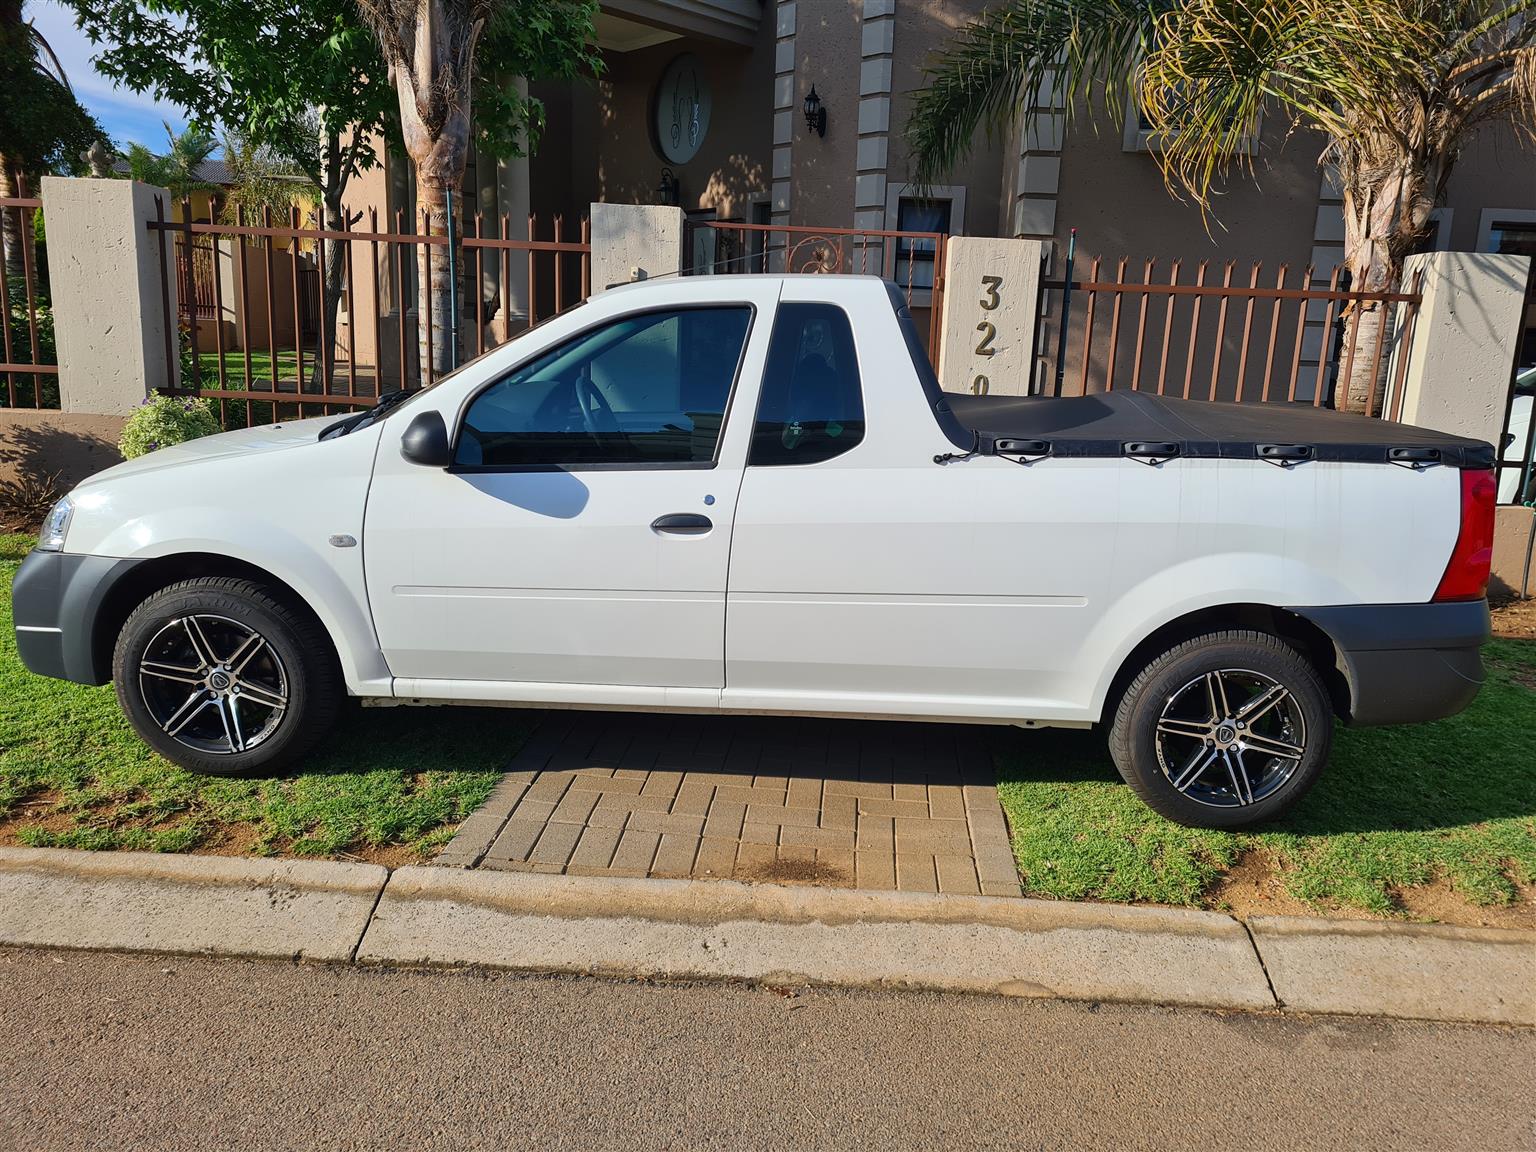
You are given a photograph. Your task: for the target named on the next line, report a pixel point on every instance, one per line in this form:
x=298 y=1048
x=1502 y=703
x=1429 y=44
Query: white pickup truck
x=748 y=494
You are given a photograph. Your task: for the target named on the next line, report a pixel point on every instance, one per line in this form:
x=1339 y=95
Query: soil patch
x=796 y=872
x=1254 y=886
x=1515 y=620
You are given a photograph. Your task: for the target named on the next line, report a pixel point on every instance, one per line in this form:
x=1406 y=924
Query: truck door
x=582 y=534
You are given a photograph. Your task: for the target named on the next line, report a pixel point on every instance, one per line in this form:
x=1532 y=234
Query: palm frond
x=44 y=48
x=996 y=70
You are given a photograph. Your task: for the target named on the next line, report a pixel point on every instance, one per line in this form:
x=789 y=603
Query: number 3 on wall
x=990 y=285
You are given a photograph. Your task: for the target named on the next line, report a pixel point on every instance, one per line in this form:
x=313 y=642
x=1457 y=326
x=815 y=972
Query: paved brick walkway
x=840 y=802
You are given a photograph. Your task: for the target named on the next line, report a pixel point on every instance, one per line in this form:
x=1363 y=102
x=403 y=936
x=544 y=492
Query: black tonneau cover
x=1158 y=427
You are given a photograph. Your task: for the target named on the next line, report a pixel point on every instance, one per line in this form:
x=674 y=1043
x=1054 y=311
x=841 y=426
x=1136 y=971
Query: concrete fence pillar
x=107 y=278
x=987 y=335
x=1465 y=341
x=635 y=242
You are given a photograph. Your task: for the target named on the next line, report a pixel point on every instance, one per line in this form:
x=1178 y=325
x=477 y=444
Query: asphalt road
x=120 y=1052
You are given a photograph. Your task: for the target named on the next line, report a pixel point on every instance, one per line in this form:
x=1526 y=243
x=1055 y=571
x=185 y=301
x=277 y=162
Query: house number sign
x=991 y=286
x=991 y=300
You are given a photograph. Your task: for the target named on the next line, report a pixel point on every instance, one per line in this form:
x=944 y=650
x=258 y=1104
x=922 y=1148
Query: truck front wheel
x=1227 y=730
x=224 y=677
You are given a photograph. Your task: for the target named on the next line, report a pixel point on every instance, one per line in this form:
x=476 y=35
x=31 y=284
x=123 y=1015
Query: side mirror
x=426 y=441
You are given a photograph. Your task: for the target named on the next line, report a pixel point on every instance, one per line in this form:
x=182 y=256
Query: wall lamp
x=815 y=114
x=669 y=191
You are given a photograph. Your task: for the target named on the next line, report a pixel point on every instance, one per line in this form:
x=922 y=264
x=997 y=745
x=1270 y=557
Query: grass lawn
x=389 y=785
x=261 y=367
x=1416 y=820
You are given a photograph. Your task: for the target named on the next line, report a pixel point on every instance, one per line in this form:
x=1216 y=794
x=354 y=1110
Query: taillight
x=1466 y=576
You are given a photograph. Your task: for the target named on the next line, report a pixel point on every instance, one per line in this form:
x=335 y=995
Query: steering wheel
x=596 y=413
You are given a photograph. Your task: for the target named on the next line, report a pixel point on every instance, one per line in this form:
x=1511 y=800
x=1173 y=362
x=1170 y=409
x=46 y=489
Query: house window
x=1510 y=232
x=1140 y=136
x=942 y=210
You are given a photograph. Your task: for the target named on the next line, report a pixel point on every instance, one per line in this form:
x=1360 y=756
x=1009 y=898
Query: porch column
x=512 y=198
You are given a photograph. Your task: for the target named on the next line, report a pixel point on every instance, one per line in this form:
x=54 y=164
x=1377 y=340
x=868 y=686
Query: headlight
x=55 y=527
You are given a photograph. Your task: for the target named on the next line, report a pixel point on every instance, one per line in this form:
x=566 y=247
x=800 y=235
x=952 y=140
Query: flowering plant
x=160 y=421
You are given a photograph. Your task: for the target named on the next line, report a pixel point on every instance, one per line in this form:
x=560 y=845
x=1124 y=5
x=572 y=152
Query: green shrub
x=161 y=421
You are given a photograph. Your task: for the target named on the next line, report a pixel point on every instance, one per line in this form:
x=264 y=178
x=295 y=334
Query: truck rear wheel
x=223 y=677
x=1227 y=730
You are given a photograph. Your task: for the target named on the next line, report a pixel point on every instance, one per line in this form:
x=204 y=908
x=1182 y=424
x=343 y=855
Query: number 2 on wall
x=988 y=334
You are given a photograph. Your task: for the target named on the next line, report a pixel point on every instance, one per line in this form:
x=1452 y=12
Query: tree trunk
x=11 y=221
x=434 y=79
x=1386 y=211
x=333 y=271
x=435 y=289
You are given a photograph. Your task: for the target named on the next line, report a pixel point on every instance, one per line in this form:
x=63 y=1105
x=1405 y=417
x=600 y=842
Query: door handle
x=682 y=524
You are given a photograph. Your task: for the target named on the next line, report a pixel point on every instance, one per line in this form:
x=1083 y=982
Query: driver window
x=647 y=389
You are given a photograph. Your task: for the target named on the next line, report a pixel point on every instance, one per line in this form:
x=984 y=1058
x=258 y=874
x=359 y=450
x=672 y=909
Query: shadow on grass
x=1469 y=769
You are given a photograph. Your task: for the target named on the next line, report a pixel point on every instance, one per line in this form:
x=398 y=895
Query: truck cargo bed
x=1141 y=425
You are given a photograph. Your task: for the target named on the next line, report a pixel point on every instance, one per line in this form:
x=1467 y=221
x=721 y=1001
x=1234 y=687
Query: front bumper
x=56 y=598
x=1406 y=663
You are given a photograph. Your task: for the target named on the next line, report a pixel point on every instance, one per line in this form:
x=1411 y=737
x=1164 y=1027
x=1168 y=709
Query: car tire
x=226 y=677
x=1227 y=730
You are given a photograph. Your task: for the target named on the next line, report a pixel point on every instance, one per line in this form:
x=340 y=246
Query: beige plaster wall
x=1496 y=169
x=72 y=444
x=1514 y=561
x=1120 y=205
x=828 y=50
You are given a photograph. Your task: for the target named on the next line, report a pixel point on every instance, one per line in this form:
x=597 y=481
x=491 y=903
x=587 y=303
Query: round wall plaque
x=682 y=109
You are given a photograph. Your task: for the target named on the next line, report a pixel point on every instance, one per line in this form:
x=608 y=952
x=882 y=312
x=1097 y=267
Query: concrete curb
x=148 y=902
x=722 y=929
x=1424 y=971
x=696 y=929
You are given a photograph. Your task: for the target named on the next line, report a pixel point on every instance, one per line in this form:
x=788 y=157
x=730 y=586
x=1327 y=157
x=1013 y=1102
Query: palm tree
x=177 y=169
x=1395 y=86
x=41 y=122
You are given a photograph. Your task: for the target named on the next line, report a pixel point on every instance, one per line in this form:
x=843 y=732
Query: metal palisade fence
x=266 y=334
x=1237 y=332
x=29 y=364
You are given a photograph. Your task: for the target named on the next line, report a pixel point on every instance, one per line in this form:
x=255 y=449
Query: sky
x=127 y=116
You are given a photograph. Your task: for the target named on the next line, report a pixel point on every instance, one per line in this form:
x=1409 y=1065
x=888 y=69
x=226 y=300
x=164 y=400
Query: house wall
x=921 y=27
x=1496 y=169
x=610 y=145
x=827 y=55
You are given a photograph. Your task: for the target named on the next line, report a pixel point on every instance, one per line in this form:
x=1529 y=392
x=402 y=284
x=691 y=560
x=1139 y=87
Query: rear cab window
x=811 y=407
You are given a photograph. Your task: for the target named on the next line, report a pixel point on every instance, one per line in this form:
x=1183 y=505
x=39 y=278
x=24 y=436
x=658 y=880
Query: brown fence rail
x=29 y=368
x=1226 y=333
x=914 y=261
x=267 y=337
